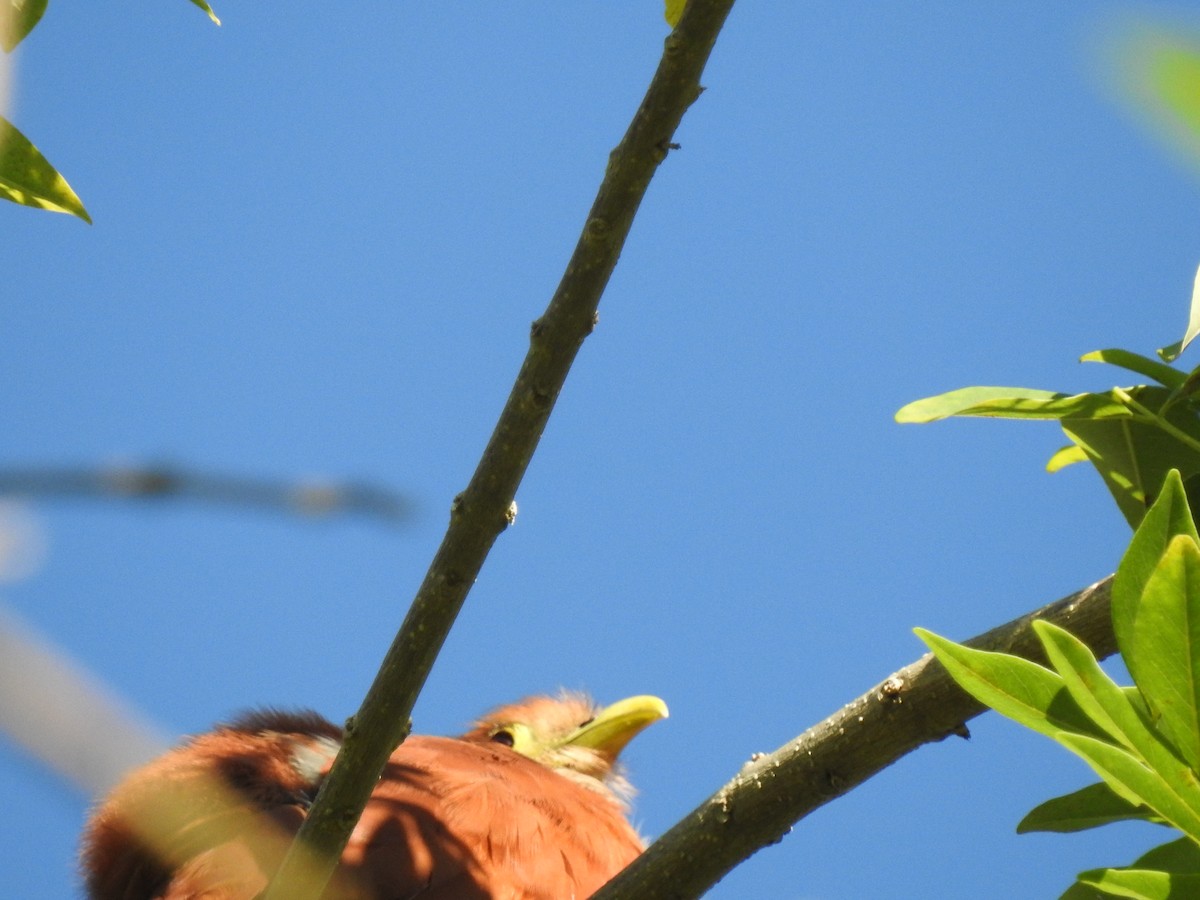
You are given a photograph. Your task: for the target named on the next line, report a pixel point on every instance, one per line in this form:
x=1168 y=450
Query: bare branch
x=156 y=482
x=917 y=705
x=482 y=511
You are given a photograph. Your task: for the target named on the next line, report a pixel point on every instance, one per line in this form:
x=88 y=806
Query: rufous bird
x=530 y=804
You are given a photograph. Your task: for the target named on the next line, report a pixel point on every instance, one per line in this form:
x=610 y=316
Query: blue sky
x=319 y=241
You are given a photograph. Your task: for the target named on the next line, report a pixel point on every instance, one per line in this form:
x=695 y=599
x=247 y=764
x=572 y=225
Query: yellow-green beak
x=617 y=725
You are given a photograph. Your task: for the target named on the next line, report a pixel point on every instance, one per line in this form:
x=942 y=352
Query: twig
x=156 y=482
x=917 y=705
x=483 y=510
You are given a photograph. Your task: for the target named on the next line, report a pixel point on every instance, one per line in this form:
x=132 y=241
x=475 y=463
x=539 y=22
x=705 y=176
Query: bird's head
x=572 y=735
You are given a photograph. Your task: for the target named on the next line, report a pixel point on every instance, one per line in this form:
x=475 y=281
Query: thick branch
x=158 y=481
x=483 y=510
x=917 y=705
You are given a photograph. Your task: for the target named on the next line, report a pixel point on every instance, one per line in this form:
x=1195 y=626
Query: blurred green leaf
x=674 y=9
x=1142 y=365
x=1162 y=69
x=1010 y=403
x=208 y=9
x=27 y=178
x=21 y=16
x=1015 y=687
x=1166 y=643
x=1085 y=808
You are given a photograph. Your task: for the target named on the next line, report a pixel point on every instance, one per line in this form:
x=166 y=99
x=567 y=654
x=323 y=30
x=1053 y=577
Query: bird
x=531 y=803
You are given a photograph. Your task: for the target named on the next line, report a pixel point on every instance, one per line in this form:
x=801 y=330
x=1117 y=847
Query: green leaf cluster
x=1142 y=741
x=1133 y=435
x=26 y=176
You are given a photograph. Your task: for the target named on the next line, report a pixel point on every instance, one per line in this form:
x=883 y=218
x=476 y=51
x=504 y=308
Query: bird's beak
x=617 y=725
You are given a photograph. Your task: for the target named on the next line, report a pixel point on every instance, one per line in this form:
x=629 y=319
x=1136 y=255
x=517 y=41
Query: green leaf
x=1066 y=456
x=1141 y=365
x=1136 y=782
x=27 y=178
x=1182 y=855
x=1143 y=884
x=208 y=9
x=1193 y=327
x=674 y=10
x=1134 y=455
x=1166 y=643
x=1110 y=707
x=1014 y=687
x=1191 y=383
x=1011 y=403
x=20 y=18
x=1100 y=698
x=1169 y=517
x=1088 y=807
x=1106 y=704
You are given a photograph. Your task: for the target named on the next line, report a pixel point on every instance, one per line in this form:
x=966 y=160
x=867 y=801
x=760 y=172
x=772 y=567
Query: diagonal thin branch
x=156 y=482
x=483 y=510
x=917 y=705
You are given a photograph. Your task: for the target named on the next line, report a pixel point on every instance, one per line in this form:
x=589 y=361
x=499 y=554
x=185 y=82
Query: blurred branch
x=63 y=717
x=917 y=705
x=67 y=720
x=485 y=508
x=157 y=482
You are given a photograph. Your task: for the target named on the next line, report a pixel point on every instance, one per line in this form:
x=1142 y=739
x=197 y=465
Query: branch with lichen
x=483 y=510
x=917 y=705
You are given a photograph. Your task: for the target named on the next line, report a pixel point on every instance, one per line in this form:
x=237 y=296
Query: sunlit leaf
x=674 y=10
x=1169 y=517
x=27 y=178
x=1088 y=807
x=1010 y=403
x=1066 y=456
x=1193 y=327
x=1143 y=884
x=1106 y=704
x=208 y=9
x=1014 y=687
x=1110 y=707
x=20 y=18
x=1142 y=365
x=1166 y=644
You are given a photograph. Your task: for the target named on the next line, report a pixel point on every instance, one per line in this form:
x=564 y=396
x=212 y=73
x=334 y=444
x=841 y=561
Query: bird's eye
x=505 y=737
x=587 y=722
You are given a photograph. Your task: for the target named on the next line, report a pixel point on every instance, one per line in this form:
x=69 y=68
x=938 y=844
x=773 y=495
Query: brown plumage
x=528 y=805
